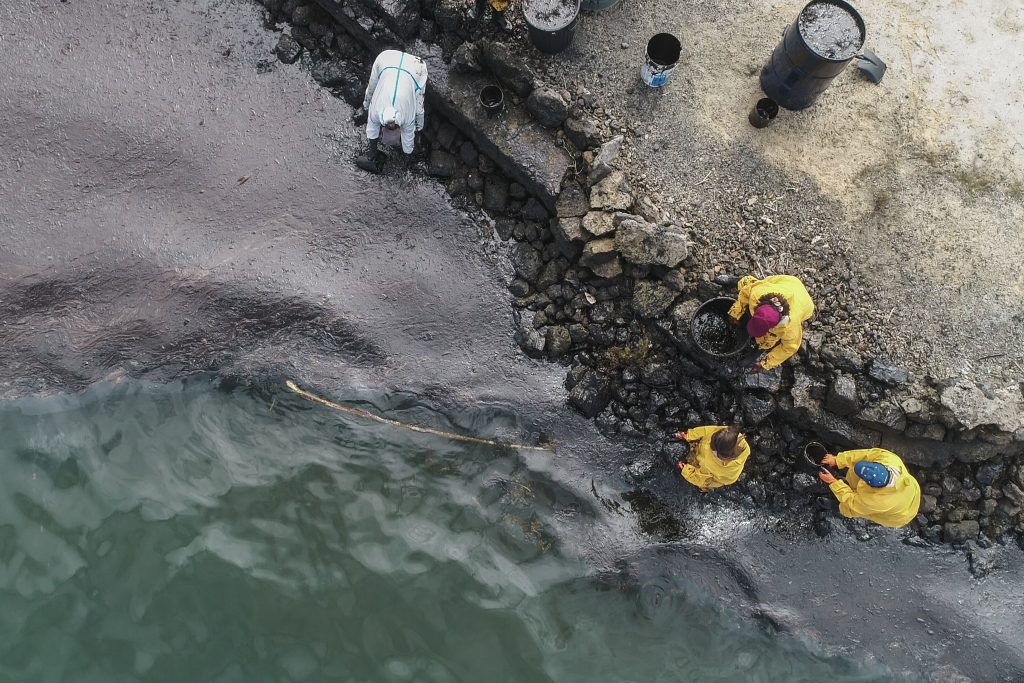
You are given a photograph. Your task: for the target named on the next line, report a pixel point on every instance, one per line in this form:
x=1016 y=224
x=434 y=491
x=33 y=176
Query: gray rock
x=302 y=15
x=960 y=532
x=983 y=561
x=526 y=261
x=466 y=59
x=1014 y=493
x=519 y=287
x=287 y=50
x=887 y=372
x=448 y=15
x=468 y=154
x=549 y=275
x=803 y=482
x=332 y=73
x=883 y=414
x=529 y=339
x=548 y=107
x=770 y=380
x=612 y=193
x=572 y=202
x=972 y=407
x=495 y=193
x=757 y=408
x=651 y=298
x=598 y=223
x=441 y=164
x=534 y=211
x=591 y=394
x=990 y=471
x=509 y=68
x=806 y=391
x=842 y=396
x=601 y=168
x=607 y=269
x=652 y=245
x=598 y=251
x=916 y=410
x=841 y=357
x=583 y=133
x=569 y=235
x=557 y=342
x=928 y=503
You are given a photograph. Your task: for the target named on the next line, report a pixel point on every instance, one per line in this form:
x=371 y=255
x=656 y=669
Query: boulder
x=607 y=269
x=468 y=154
x=883 y=414
x=990 y=471
x=557 y=342
x=652 y=298
x=598 y=223
x=526 y=261
x=509 y=68
x=842 y=396
x=612 y=193
x=331 y=73
x=569 y=235
x=528 y=337
x=598 y=251
x=533 y=210
x=972 y=407
x=572 y=202
x=769 y=380
x=548 y=107
x=302 y=15
x=495 y=193
x=757 y=407
x=887 y=372
x=583 y=133
x=466 y=59
x=841 y=357
x=957 y=533
x=658 y=373
x=591 y=394
x=652 y=245
x=448 y=15
x=441 y=164
x=601 y=168
x=288 y=49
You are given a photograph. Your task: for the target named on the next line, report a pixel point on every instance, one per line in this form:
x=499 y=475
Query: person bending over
x=716 y=458
x=778 y=306
x=394 y=105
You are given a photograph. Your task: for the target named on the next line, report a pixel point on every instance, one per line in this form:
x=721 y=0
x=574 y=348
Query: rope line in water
x=295 y=388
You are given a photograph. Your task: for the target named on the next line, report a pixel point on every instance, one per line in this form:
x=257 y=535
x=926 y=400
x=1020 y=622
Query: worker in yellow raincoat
x=878 y=486
x=498 y=8
x=778 y=306
x=717 y=456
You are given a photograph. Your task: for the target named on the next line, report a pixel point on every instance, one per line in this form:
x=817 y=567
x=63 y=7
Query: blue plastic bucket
x=663 y=51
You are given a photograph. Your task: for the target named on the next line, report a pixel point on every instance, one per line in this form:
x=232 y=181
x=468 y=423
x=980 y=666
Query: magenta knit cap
x=765 y=318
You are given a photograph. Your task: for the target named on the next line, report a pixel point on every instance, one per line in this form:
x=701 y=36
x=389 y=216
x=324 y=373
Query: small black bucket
x=551 y=23
x=802 y=67
x=492 y=99
x=714 y=333
x=763 y=113
x=813 y=453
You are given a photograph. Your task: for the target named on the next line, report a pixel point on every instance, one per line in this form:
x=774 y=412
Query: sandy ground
x=918 y=180
x=131 y=246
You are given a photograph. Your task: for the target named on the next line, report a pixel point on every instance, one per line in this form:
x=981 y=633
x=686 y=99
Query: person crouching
x=717 y=456
x=878 y=486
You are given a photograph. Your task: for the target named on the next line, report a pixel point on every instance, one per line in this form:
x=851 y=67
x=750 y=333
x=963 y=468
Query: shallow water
x=194 y=532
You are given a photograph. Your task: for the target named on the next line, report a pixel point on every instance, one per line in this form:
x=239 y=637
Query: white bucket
x=663 y=51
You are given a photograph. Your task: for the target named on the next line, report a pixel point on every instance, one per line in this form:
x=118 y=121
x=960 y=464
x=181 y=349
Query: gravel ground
x=878 y=195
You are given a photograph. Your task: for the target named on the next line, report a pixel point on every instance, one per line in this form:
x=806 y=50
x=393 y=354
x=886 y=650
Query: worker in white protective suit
x=393 y=104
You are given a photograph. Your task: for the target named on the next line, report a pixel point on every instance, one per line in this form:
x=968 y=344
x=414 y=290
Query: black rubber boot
x=373 y=160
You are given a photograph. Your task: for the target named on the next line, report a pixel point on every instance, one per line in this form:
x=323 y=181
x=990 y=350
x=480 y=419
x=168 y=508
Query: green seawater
x=199 y=532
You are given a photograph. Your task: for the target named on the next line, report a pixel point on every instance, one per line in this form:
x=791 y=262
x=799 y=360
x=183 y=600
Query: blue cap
x=872 y=473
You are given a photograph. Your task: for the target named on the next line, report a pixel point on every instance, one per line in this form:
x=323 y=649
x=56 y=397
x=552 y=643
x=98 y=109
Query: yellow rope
x=292 y=386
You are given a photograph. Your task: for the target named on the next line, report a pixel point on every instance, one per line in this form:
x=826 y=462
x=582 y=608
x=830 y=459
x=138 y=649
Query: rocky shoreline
x=607 y=281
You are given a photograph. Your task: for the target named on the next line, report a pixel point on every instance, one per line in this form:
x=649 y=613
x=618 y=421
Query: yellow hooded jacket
x=783 y=340
x=709 y=472
x=892 y=506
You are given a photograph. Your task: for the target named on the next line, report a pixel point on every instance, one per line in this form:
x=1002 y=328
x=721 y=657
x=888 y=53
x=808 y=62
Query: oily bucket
x=712 y=331
x=492 y=99
x=814 y=452
x=763 y=113
x=797 y=74
x=663 y=51
x=551 y=24
x=599 y=5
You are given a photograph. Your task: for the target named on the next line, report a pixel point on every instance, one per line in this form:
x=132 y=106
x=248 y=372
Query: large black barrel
x=797 y=74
